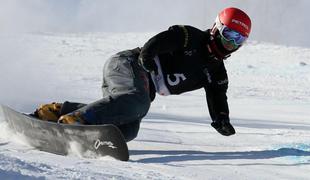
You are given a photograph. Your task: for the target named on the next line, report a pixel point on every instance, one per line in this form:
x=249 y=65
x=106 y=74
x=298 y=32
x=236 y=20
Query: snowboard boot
x=48 y=112
x=71 y=118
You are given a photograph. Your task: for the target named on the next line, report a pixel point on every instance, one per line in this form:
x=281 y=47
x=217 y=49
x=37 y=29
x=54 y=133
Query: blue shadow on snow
x=167 y=156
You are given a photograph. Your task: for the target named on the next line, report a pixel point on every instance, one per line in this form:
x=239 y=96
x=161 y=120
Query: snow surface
x=269 y=100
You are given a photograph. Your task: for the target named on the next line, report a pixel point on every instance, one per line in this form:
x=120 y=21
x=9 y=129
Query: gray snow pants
x=125 y=96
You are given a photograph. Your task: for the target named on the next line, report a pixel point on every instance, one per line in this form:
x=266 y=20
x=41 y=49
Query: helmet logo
x=240 y=23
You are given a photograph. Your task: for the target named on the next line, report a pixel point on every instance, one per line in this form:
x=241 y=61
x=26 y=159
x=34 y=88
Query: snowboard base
x=89 y=140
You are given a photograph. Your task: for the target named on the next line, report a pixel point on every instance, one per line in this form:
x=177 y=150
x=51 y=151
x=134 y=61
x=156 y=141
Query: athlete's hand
x=224 y=127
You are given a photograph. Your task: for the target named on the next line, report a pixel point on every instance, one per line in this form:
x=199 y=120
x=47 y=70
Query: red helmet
x=235 y=19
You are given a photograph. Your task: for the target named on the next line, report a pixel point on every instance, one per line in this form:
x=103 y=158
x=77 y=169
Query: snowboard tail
x=97 y=140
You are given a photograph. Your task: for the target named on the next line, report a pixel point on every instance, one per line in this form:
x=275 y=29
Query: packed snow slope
x=269 y=100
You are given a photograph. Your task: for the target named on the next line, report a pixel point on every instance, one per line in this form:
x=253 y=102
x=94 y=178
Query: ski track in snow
x=269 y=101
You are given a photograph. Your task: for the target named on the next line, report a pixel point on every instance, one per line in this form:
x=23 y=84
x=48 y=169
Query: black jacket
x=186 y=64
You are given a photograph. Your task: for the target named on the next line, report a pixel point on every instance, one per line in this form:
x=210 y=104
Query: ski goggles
x=231 y=35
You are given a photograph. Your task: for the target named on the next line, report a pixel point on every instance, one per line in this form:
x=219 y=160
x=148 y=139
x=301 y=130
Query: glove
x=71 y=118
x=223 y=127
x=149 y=65
x=48 y=112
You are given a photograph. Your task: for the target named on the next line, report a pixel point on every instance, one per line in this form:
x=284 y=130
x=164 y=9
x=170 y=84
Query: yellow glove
x=49 y=112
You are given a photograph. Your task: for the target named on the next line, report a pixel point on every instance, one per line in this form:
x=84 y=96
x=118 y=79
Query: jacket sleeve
x=216 y=95
x=174 y=38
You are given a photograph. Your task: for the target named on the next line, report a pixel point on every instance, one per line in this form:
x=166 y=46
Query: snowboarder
x=178 y=60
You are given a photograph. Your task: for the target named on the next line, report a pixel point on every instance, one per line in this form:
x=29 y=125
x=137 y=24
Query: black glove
x=223 y=127
x=148 y=64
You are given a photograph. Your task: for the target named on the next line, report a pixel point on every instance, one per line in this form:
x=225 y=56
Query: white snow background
x=269 y=94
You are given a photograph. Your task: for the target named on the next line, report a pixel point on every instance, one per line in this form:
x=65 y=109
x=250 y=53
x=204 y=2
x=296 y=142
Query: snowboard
x=89 y=140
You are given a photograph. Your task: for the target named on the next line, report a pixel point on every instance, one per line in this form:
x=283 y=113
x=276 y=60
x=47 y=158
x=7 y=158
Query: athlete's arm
x=167 y=41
